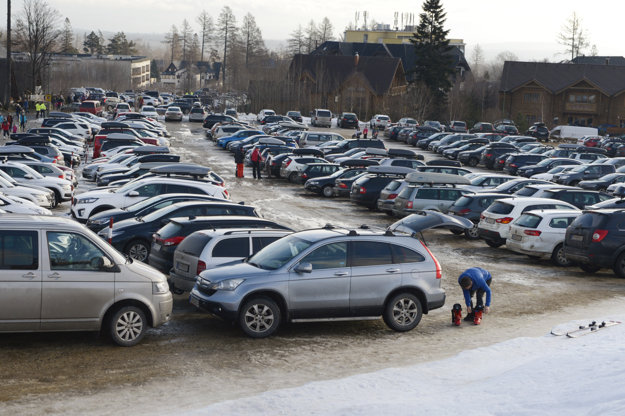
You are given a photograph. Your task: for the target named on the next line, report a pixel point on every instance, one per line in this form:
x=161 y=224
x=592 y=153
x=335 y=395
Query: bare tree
x=325 y=30
x=36 y=33
x=311 y=36
x=252 y=39
x=186 y=36
x=297 y=42
x=206 y=31
x=573 y=36
x=226 y=26
x=172 y=38
x=477 y=60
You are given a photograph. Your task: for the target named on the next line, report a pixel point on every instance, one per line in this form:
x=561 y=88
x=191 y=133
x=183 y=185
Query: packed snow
x=548 y=375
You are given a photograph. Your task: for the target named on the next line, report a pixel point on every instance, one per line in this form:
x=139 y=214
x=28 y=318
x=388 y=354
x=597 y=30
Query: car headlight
x=230 y=284
x=159 y=288
x=86 y=200
x=101 y=221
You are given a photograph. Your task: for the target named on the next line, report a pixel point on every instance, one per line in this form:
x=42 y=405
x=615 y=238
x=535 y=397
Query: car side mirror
x=304 y=268
x=586 y=172
x=133 y=193
x=28 y=176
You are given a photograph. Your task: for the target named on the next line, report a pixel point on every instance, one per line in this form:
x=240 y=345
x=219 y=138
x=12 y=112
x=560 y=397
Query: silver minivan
x=321 y=118
x=208 y=249
x=57 y=275
x=316 y=138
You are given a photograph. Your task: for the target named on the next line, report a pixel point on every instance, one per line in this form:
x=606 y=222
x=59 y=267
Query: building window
x=531 y=98
x=582 y=98
x=531 y=119
x=365 y=37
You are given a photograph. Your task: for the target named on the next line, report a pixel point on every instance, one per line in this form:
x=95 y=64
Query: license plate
x=489 y=220
x=194 y=301
x=182 y=266
x=577 y=237
x=157 y=246
x=516 y=237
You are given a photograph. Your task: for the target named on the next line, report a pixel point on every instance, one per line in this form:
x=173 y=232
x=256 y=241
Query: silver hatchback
x=328 y=273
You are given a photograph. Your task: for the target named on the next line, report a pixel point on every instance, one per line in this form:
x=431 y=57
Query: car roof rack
x=354 y=163
x=389 y=170
x=432 y=178
x=15 y=149
x=405 y=153
x=443 y=162
x=376 y=151
x=306 y=151
x=150 y=149
x=189 y=169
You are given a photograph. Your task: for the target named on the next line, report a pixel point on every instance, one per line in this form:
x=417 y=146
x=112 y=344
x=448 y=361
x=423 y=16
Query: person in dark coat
x=239 y=159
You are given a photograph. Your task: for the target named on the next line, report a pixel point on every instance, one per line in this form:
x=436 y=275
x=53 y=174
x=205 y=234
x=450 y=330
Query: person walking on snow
x=256 y=158
x=476 y=281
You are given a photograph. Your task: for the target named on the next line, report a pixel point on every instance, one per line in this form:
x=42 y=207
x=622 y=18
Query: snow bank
x=549 y=375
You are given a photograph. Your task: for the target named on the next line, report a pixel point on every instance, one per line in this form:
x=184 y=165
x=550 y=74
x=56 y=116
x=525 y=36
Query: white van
x=572 y=132
x=57 y=275
x=321 y=118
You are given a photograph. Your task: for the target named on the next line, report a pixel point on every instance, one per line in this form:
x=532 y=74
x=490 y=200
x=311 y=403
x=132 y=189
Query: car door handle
x=54 y=275
x=29 y=275
x=392 y=270
x=341 y=274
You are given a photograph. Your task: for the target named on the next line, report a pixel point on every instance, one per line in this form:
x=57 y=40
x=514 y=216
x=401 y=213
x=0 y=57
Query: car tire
x=589 y=268
x=292 y=177
x=558 y=257
x=473 y=162
x=403 y=312
x=619 y=266
x=456 y=231
x=259 y=317
x=127 y=326
x=472 y=233
x=57 y=197
x=495 y=244
x=328 y=191
x=138 y=250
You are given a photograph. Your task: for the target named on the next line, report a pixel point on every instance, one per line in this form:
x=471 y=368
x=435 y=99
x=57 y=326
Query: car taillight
x=482 y=216
x=362 y=190
x=62 y=176
x=304 y=176
x=513 y=165
x=504 y=220
x=409 y=204
x=201 y=266
x=465 y=211
x=287 y=163
x=173 y=241
x=439 y=272
x=342 y=185
x=392 y=196
x=599 y=235
x=534 y=233
x=488 y=155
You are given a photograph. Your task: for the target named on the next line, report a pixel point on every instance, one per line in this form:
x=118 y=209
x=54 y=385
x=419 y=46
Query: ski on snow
x=581 y=330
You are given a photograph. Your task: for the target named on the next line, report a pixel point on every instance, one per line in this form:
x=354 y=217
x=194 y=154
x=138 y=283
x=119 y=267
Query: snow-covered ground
x=548 y=375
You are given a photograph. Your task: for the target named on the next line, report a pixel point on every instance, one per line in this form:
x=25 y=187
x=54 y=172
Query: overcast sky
x=527 y=28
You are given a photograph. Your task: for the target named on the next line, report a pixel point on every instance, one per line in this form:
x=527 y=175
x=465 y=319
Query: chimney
x=607 y=60
x=356 y=59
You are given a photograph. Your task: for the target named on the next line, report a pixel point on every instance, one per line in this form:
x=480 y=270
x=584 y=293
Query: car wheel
x=138 y=250
x=57 y=197
x=494 y=243
x=292 y=177
x=127 y=326
x=259 y=317
x=402 y=312
x=472 y=162
x=619 y=266
x=456 y=231
x=589 y=268
x=328 y=191
x=558 y=257
x=472 y=233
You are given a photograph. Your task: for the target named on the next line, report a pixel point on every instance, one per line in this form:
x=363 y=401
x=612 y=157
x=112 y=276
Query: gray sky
x=527 y=28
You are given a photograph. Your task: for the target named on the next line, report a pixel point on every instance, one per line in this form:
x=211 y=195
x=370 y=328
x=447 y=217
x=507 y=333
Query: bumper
x=160 y=263
x=585 y=257
x=165 y=306
x=226 y=311
x=386 y=205
x=490 y=235
x=313 y=188
x=522 y=248
x=185 y=283
x=436 y=301
x=79 y=214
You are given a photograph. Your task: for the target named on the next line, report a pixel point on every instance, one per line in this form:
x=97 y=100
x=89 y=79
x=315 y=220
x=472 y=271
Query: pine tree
x=434 y=66
x=119 y=45
x=67 y=38
x=252 y=39
x=92 y=44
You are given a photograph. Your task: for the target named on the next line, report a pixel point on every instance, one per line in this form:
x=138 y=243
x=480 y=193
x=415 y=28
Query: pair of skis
x=582 y=330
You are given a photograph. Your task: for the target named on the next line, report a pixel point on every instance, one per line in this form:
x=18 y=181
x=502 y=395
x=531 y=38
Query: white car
x=90 y=117
x=494 y=225
x=173 y=113
x=92 y=202
x=293 y=164
x=78 y=128
x=548 y=176
x=149 y=110
x=39 y=196
x=18 y=205
x=381 y=121
x=541 y=233
x=25 y=175
x=264 y=113
x=487 y=182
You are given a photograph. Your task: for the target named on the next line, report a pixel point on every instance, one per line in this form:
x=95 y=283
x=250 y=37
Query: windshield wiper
x=254 y=264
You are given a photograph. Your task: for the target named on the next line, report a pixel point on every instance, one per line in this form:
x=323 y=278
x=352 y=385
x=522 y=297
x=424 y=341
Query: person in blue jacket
x=475 y=281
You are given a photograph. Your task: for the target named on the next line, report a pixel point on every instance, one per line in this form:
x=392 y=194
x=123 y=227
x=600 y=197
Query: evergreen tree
x=119 y=45
x=252 y=39
x=154 y=71
x=434 y=65
x=92 y=44
x=67 y=38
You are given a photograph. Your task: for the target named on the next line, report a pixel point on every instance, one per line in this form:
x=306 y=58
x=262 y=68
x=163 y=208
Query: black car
x=273 y=119
x=392 y=132
x=185 y=105
x=596 y=239
x=581 y=198
x=213 y=119
x=294 y=115
x=471 y=206
x=603 y=182
x=467 y=147
x=471 y=157
x=345 y=145
x=102 y=219
x=166 y=239
x=348 y=120
x=583 y=173
x=482 y=127
x=274 y=163
x=133 y=235
x=420 y=133
x=539 y=131
x=324 y=185
x=425 y=142
x=493 y=151
x=514 y=185
x=315 y=170
x=545 y=165
x=514 y=162
x=366 y=189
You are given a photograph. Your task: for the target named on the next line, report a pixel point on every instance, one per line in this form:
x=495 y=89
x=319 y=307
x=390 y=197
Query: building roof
x=599 y=60
x=171 y=69
x=334 y=70
x=404 y=51
x=555 y=77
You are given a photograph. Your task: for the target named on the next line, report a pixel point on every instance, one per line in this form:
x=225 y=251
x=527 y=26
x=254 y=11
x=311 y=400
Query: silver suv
x=330 y=273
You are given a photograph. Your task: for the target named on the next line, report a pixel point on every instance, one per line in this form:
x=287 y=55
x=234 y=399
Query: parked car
x=316 y=138
x=296 y=268
x=89 y=286
x=545 y=165
x=540 y=131
x=603 y=182
x=494 y=225
x=173 y=113
x=379 y=121
x=417 y=198
x=581 y=198
x=348 y=120
x=212 y=119
x=25 y=175
x=458 y=126
x=492 y=151
x=596 y=239
x=482 y=127
x=264 y=113
x=91 y=106
x=541 y=233
x=365 y=190
x=209 y=249
x=294 y=115
x=583 y=173
x=197 y=114
x=471 y=206
x=314 y=170
x=518 y=160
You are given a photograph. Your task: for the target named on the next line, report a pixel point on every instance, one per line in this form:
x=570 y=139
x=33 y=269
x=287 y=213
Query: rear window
x=172 y=229
x=324 y=114
x=463 y=201
x=393 y=185
x=88 y=105
x=500 y=208
x=590 y=220
x=527 y=191
x=194 y=244
x=232 y=247
x=528 y=220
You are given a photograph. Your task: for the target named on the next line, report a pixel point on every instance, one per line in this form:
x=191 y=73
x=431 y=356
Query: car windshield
x=279 y=253
x=148 y=108
x=528 y=220
x=579 y=169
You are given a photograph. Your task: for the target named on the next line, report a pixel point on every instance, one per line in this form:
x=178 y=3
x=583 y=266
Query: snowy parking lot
x=197 y=360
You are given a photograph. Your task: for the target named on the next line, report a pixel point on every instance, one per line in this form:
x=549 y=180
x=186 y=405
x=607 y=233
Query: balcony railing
x=580 y=108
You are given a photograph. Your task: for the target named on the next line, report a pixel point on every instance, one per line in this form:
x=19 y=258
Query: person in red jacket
x=256 y=158
x=5 y=128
